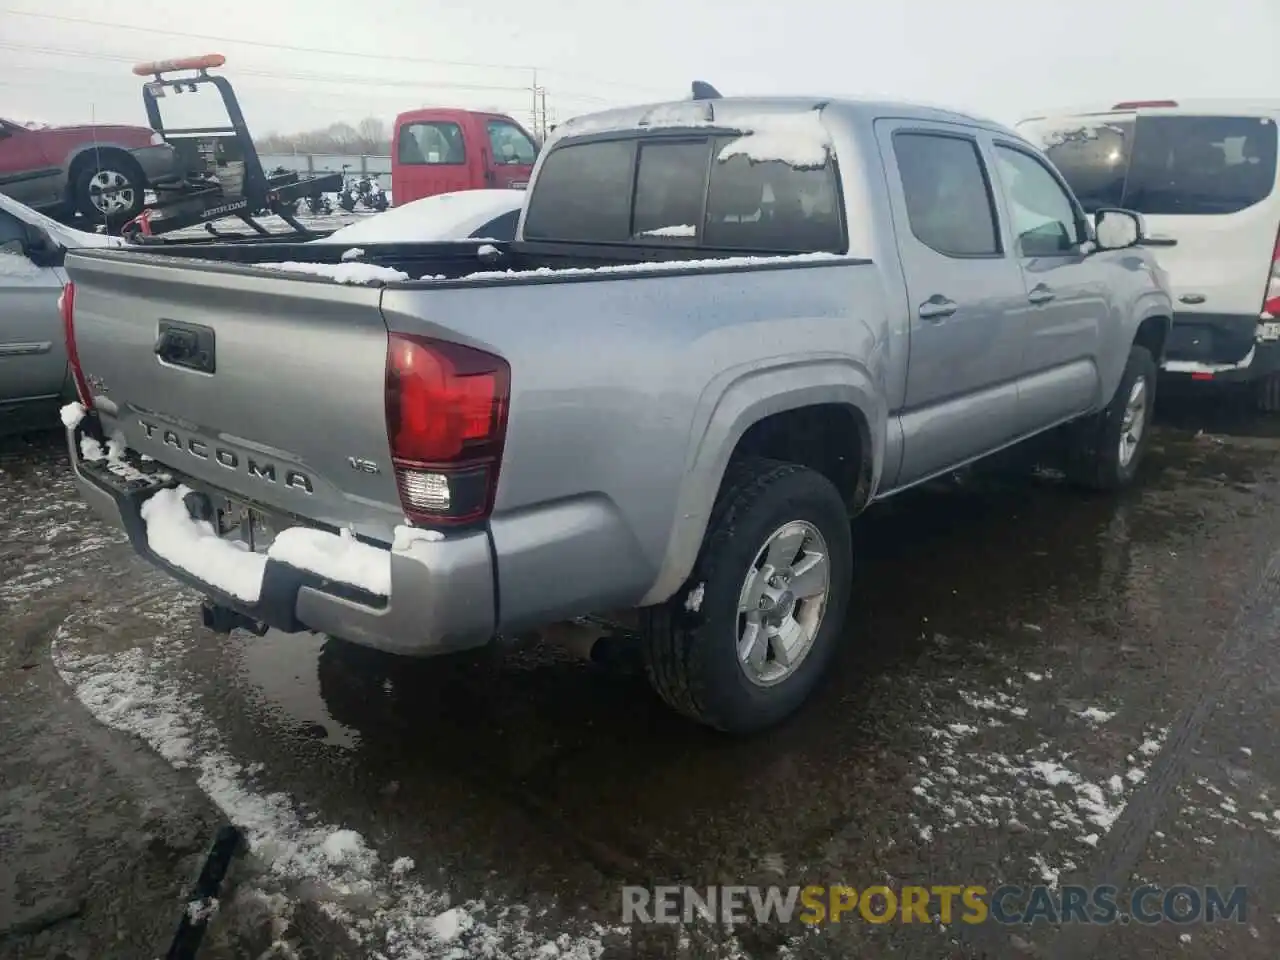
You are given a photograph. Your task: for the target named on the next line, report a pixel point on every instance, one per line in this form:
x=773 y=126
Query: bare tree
x=369 y=137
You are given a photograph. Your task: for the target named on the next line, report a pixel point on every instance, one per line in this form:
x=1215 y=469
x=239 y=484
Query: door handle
x=938 y=307
x=1040 y=294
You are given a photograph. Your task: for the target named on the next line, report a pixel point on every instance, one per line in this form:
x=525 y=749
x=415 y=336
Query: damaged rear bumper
x=441 y=597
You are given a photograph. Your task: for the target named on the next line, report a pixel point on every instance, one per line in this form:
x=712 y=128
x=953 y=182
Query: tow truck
x=224 y=174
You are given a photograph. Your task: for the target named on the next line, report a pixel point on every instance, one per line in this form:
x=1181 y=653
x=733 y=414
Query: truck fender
x=727 y=408
x=90 y=148
x=1115 y=355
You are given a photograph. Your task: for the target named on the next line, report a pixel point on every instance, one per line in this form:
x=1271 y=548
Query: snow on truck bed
x=353 y=272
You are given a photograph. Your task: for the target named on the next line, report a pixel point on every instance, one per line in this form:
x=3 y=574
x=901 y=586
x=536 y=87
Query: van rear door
x=1207 y=186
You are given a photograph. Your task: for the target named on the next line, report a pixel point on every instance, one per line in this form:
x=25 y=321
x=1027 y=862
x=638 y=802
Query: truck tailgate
x=268 y=388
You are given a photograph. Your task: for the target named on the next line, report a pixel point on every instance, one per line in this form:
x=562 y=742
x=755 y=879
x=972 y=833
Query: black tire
x=691 y=656
x=1093 y=458
x=116 y=168
x=1267 y=393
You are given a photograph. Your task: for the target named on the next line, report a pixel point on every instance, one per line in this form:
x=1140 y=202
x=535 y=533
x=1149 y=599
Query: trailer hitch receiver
x=222 y=619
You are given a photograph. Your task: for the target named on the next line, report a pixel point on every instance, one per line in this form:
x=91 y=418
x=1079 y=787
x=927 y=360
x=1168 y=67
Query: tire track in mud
x=1257 y=624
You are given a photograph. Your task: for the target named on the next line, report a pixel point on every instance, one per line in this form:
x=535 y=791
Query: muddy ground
x=1038 y=686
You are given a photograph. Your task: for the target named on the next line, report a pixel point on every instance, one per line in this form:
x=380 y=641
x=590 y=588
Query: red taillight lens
x=446 y=422
x=1271 y=299
x=67 y=307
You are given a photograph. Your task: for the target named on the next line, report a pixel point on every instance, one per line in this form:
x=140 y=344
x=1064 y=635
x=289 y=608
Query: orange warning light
x=157 y=67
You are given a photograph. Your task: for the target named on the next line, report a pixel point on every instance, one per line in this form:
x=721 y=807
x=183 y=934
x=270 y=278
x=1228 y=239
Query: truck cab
x=439 y=150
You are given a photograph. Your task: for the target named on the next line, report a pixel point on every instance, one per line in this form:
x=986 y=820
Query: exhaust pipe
x=603 y=642
x=222 y=619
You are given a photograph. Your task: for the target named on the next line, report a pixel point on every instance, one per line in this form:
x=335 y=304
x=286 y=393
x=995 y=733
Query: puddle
x=282 y=668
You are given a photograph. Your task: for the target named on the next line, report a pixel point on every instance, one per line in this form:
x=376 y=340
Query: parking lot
x=1038 y=686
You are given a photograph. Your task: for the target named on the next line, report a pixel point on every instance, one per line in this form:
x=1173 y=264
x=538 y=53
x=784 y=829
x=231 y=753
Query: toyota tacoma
x=725 y=327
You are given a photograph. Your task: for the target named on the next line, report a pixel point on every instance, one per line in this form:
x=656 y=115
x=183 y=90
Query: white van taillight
x=1271 y=302
x=67 y=307
x=446 y=424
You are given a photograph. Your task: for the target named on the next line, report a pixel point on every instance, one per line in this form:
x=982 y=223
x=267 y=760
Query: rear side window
x=431 y=144
x=671 y=182
x=1165 y=164
x=948 y=197
x=684 y=195
x=583 y=194
x=771 y=206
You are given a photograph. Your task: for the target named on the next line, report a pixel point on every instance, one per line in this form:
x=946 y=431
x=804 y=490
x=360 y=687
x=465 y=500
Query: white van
x=1204 y=176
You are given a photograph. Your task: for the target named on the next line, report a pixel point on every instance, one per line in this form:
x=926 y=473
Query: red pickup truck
x=99 y=170
x=443 y=150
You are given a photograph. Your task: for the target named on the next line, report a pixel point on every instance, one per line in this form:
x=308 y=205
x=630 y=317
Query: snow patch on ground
x=693 y=602
x=388 y=914
x=961 y=786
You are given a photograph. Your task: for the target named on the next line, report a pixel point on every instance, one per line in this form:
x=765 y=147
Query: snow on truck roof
x=751 y=114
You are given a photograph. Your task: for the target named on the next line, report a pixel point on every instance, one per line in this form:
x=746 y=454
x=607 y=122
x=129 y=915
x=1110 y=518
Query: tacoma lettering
x=228 y=459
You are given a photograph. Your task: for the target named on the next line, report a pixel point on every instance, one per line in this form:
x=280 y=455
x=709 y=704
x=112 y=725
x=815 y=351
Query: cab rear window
x=677 y=191
x=1184 y=165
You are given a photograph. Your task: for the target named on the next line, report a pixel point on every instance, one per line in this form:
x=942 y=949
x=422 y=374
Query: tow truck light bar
x=201 y=63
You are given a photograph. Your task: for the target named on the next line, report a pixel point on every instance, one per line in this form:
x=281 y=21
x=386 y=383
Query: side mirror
x=1118 y=229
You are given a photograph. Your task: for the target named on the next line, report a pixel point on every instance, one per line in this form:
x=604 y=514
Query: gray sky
x=1001 y=58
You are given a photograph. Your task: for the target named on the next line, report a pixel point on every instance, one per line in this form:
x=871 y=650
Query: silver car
x=33 y=357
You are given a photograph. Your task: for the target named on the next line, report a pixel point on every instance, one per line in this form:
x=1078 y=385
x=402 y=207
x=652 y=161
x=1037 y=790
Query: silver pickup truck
x=726 y=327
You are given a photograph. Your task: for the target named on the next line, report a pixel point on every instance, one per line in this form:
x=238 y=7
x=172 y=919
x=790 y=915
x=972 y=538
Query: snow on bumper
x=426 y=594
x=228 y=565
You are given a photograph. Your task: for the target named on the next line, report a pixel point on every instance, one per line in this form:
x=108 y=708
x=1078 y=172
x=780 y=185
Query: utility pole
x=534 y=90
x=542 y=136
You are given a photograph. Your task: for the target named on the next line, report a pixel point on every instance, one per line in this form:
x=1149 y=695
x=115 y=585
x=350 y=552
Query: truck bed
x=613 y=387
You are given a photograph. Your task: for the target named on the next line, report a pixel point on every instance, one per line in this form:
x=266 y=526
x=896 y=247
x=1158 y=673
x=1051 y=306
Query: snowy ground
x=1039 y=687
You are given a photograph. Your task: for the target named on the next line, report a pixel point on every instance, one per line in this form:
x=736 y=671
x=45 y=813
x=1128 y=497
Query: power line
x=380 y=57
x=315 y=78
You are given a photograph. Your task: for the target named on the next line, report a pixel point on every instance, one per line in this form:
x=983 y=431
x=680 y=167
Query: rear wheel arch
x=88 y=156
x=1153 y=334
x=835 y=400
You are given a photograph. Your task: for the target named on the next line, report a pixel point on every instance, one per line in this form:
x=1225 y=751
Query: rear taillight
x=1271 y=301
x=67 y=307
x=446 y=422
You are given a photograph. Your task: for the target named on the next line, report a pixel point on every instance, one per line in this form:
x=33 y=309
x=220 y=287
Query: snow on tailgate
x=229 y=565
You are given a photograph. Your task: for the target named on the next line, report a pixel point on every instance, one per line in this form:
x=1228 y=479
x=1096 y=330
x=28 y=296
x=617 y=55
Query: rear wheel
x=109 y=189
x=1106 y=448
x=745 y=643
